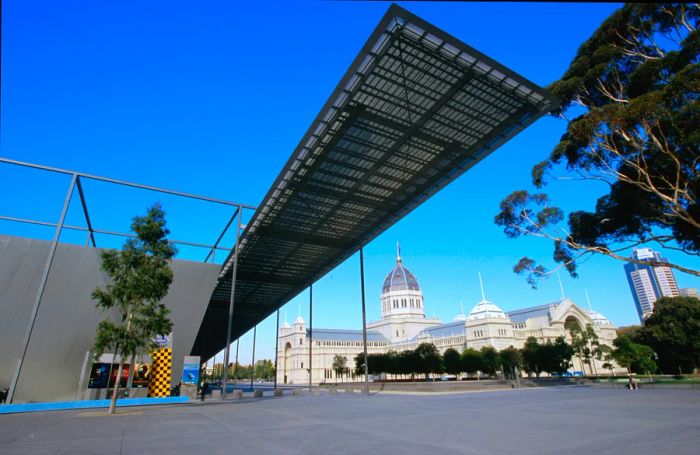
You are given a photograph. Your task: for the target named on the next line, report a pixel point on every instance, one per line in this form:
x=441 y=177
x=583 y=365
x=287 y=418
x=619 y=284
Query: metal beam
x=311 y=333
x=252 y=363
x=301 y=237
x=40 y=291
x=126 y=183
x=229 y=326
x=103 y=232
x=364 y=318
x=85 y=210
x=277 y=342
x=221 y=236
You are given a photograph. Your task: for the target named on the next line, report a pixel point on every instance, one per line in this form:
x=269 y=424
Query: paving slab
x=524 y=421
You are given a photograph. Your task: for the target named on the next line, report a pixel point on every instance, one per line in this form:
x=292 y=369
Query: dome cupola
x=401 y=294
x=598 y=319
x=485 y=309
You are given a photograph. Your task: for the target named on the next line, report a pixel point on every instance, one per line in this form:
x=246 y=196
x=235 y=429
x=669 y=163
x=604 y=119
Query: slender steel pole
x=364 y=318
x=40 y=291
x=252 y=363
x=277 y=342
x=229 y=327
x=311 y=332
x=235 y=365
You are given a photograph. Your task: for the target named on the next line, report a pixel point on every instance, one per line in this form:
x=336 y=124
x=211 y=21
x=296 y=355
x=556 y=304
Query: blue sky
x=211 y=98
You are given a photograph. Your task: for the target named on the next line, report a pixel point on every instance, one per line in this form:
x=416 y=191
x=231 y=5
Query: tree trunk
x=113 y=403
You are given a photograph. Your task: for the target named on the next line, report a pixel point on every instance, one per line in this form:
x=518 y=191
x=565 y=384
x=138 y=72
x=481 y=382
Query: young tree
x=408 y=362
x=531 y=352
x=510 y=360
x=472 y=361
x=593 y=347
x=636 y=82
x=339 y=365
x=556 y=356
x=428 y=358
x=139 y=279
x=360 y=364
x=635 y=357
x=673 y=332
x=452 y=361
x=489 y=360
x=606 y=354
x=585 y=343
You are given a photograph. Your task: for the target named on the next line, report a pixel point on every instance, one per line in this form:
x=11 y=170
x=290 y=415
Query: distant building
x=690 y=292
x=649 y=283
x=403 y=326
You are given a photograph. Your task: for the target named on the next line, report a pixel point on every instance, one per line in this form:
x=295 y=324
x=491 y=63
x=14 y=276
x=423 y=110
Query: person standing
x=632 y=384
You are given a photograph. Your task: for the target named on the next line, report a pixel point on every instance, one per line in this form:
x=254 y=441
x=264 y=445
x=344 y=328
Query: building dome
x=486 y=310
x=285 y=325
x=400 y=279
x=401 y=296
x=598 y=319
x=460 y=317
x=299 y=320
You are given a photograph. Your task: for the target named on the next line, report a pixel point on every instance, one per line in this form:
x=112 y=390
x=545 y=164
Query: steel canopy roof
x=415 y=110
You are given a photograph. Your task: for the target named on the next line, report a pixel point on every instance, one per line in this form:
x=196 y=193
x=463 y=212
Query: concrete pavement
x=547 y=420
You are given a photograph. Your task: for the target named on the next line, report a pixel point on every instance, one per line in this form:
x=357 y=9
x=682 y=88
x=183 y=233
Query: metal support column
x=311 y=332
x=40 y=291
x=229 y=327
x=252 y=363
x=364 y=318
x=277 y=342
x=235 y=364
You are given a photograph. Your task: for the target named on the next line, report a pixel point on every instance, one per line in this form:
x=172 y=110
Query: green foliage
x=635 y=357
x=673 y=332
x=585 y=343
x=264 y=369
x=629 y=330
x=139 y=278
x=429 y=359
x=533 y=356
x=452 y=361
x=424 y=359
x=556 y=357
x=490 y=362
x=510 y=360
x=634 y=88
x=471 y=361
x=340 y=365
x=360 y=364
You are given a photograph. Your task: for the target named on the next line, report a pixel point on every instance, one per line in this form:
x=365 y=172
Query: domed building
x=401 y=295
x=403 y=326
x=488 y=325
x=403 y=312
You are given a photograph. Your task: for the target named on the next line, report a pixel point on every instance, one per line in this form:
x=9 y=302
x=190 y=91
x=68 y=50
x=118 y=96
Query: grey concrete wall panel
x=66 y=322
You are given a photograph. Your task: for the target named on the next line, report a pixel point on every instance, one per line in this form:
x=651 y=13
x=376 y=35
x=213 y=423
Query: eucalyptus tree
x=633 y=91
x=139 y=278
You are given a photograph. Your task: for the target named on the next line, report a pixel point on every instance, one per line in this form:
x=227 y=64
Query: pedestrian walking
x=205 y=389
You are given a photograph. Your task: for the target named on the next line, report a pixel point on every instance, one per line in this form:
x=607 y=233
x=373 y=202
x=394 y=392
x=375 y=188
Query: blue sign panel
x=190 y=373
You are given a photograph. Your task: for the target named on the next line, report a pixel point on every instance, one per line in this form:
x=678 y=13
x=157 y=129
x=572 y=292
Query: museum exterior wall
x=65 y=325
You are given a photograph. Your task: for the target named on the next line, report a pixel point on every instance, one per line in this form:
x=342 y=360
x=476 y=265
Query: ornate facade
x=403 y=325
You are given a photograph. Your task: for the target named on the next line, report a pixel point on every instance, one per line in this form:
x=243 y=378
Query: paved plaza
x=548 y=420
